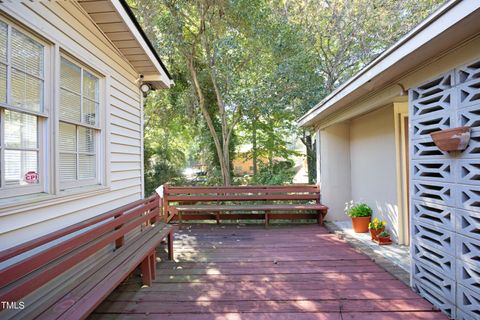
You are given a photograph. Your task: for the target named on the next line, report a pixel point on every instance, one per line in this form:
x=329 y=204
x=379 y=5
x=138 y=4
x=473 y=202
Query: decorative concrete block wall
x=445 y=193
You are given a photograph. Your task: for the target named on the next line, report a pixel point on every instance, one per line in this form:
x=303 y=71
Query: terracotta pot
x=383 y=240
x=360 y=224
x=375 y=232
x=455 y=139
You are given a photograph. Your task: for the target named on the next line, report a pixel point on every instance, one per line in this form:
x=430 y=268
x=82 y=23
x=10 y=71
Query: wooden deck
x=248 y=272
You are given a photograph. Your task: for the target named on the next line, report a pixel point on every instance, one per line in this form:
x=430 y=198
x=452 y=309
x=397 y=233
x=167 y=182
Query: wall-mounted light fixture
x=145 y=88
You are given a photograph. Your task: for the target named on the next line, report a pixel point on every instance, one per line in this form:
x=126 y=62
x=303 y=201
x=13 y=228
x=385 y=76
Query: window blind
x=78 y=123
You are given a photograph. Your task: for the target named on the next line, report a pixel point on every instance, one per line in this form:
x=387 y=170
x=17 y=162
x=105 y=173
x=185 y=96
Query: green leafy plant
x=384 y=234
x=376 y=224
x=359 y=210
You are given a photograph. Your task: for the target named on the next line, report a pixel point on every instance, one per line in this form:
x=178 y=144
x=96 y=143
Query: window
x=26 y=118
x=22 y=115
x=78 y=128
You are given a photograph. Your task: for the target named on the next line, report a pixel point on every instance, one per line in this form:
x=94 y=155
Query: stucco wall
x=372 y=158
x=335 y=169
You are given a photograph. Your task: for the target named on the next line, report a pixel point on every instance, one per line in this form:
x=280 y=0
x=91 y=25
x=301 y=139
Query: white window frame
x=100 y=128
x=43 y=118
x=48 y=190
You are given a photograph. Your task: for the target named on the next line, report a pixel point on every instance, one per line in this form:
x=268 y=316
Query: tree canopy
x=245 y=70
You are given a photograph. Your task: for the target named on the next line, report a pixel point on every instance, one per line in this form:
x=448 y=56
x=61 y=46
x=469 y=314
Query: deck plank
x=248 y=272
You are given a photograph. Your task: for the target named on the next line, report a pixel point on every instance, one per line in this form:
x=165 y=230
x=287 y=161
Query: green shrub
x=278 y=173
x=359 y=210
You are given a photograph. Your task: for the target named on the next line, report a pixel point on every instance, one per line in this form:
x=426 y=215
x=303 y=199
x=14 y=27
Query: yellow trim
x=400 y=112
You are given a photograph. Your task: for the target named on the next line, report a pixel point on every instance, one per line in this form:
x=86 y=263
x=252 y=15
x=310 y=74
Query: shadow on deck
x=248 y=272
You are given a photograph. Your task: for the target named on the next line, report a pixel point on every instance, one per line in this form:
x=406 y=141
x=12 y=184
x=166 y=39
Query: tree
x=343 y=36
x=248 y=69
x=168 y=136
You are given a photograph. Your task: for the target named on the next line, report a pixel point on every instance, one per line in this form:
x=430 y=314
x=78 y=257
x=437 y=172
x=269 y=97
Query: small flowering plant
x=376 y=224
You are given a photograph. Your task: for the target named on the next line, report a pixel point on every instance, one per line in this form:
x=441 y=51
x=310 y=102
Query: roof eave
x=165 y=79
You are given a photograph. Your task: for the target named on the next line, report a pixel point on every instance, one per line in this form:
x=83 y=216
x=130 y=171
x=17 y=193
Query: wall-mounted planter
x=455 y=139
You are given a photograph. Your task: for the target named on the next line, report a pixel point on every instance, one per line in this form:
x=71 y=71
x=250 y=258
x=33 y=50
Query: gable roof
x=117 y=21
x=450 y=24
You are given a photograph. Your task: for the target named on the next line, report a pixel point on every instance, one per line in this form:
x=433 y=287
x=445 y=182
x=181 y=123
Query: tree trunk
x=311 y=159
x=219 y=147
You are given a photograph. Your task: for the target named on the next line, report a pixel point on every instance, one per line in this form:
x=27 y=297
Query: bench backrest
x=19 y=279
x=221 y=194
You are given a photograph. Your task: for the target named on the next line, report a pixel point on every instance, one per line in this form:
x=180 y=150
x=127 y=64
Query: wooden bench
x=68 y=273
x=290 y=202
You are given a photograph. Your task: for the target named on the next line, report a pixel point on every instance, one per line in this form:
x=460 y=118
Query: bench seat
x=100 y=281
x=281 y=202
x=250 y=207
x=82 y=264
x=215 y=210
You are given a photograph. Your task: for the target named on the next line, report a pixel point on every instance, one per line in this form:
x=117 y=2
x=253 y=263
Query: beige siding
x=373 y=159
x=66 y=24
x=335 y=169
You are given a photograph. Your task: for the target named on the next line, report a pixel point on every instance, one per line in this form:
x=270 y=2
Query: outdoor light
x=145 y=87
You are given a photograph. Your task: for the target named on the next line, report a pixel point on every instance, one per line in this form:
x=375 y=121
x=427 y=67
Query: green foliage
x=376 y=224
x=280 y=172
x=359 y=210
x=272 y=60
x=160 y=173
x=168 y=137
x=383 y=234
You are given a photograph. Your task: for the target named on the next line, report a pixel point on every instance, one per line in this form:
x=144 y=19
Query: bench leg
x=153 y=264
x=217 y=217
x=320 y=217
x=267 y=218
x=120 y=241
x=146 y=271
x=170 y=245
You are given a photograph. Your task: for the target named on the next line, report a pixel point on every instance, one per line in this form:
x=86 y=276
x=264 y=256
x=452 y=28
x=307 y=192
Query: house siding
x=65 y=24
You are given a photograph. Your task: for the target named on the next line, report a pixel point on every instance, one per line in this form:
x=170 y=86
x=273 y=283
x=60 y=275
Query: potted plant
x=360 y=214
x=383 y=238
x=376 y=226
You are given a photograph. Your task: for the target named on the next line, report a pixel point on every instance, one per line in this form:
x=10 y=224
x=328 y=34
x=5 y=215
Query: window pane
x=68 y=166
x=68 y=137
x=27 y=54
x=21 y=167
x=86 y=168
x=69 y=106
x=70 y=76
x=3 y=83
x=89 y=112
x=3 y=42
x=90 y=86
x=26 y=91
x=20 y=130
x=86 y=140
